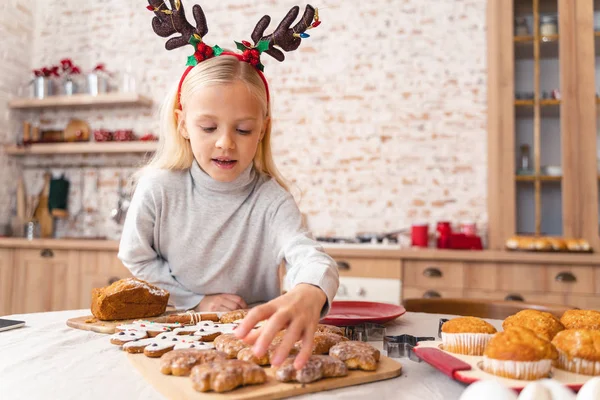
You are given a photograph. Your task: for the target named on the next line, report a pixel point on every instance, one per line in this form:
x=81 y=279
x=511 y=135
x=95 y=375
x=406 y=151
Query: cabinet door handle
x=514 y=297
x=47 y=253
x=343 y=265
x=361 y=292
x=432 y=272
x=430 y=294
x=565 y=277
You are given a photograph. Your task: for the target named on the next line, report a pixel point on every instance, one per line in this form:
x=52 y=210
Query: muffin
x=542 y=244
x=578 y=351
x=542 y=323
x=581 y=319
x=558 y=244
x=519 y=353
x=466 y=335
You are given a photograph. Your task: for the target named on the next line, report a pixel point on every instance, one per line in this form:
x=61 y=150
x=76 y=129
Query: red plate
x=345 y=313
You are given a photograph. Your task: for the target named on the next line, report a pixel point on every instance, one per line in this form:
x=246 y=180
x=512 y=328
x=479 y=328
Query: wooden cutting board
x=180 y=387
x=90 y=323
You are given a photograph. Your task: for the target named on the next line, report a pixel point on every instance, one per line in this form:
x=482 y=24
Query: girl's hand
x=298 y=311
x=221 y=302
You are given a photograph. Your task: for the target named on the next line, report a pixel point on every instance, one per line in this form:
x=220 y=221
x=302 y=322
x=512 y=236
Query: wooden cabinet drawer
x=411 y=292
x=550 y=298
x=584 y=302
x=434 y=274
x=568 y=279
x=530 y=278
x=482 y=276
x=369 y=267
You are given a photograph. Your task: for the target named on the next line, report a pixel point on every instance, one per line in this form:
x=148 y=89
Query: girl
x=211 y=218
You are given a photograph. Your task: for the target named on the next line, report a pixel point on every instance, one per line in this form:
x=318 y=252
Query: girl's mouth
x=224 y=163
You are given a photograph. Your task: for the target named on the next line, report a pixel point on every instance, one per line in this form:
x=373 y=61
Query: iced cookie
x=125 y=336
x=180 y=362
x=356 y=355
x=210 y=333
x=317 y=367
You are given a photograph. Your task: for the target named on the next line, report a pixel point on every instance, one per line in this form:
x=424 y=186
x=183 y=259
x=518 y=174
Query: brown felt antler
x=169 y=21
x=284 y=37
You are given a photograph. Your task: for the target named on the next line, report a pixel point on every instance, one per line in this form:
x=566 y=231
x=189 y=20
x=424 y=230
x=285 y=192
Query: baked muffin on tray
x=466 y=335
x=581 y=319
x=542 y=323
x=519 y=353
x=578 y=351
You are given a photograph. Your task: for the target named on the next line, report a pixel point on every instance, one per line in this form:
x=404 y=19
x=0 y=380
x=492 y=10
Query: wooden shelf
x=80 y=100
x=548 y=46
x=82 y=148
x=550 y=108
x=542 y=178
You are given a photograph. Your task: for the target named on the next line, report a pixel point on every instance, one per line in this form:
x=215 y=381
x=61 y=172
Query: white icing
x=194 y=344
x=129 y=335
x=145 y=342
x=189 y=330
x=216 y=328
x=152 y=289
x=148 y=326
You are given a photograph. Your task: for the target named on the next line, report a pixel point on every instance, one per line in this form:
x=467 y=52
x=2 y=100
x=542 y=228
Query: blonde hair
x=174 y=152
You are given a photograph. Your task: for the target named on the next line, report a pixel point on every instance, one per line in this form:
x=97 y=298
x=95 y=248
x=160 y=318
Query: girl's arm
x=313 y=278
x=137 y=252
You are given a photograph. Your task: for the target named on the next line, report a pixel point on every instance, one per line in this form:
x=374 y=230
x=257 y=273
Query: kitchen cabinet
x=45 y=280
x=97 y=269
x=6 y=280
x=542 y=108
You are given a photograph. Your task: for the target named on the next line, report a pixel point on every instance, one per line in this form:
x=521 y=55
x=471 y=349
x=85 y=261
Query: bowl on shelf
x=552 y=170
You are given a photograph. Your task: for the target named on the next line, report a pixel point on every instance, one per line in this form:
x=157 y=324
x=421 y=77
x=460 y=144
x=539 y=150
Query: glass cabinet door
x=538 y=174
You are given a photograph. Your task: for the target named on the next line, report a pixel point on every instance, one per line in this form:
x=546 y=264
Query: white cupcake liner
x=524 y=370
x=577 y=365
x=471 y=344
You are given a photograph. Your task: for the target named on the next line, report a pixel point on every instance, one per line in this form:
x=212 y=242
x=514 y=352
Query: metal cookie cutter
x=401 y=346
x=442 y=321
x=367 y=332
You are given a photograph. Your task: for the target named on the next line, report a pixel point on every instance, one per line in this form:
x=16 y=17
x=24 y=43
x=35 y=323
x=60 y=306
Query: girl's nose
x=225 y=141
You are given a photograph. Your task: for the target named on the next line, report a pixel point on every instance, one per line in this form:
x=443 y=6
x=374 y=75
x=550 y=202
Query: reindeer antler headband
x=169 y=21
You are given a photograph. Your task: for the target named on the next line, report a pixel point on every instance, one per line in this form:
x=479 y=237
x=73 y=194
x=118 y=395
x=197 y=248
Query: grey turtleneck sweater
x=194 y=236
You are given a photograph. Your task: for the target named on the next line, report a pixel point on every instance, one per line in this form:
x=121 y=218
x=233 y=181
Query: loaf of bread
x=128 y=298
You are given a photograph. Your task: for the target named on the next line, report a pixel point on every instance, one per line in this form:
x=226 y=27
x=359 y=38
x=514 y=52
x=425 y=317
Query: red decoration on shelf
x=102 y=135
x=123 y=135
x=148 y=137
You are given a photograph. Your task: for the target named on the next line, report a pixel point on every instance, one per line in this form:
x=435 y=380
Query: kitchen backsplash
x=379 y=117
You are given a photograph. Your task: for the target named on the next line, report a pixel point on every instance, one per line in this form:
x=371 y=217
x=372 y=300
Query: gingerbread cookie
x=130 y=335
x=210 y=333
x=246 y=354
x=356 y=355
x=193 y=344
x=229 y=344
x=226 y=375
x=323 y=341
x=153 y=328
x=138 y=346
x=180 y=362
x=190 y=330
x=330 y=329
x=317 y=367
x=233 y=316
x=191 y=318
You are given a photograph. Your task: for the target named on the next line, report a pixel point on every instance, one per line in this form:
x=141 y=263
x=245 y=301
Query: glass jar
x=521 y=28
x=548 y=25
x=525 y=164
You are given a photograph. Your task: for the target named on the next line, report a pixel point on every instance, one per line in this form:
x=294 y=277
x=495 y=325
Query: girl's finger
x=252 y=336
x=255 y=315
x=276 y=323
x=226 y=304
x=292 y=335
x=307 y=348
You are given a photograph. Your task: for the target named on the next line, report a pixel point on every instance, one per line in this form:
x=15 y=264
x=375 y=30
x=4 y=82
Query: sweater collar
x=242 y=184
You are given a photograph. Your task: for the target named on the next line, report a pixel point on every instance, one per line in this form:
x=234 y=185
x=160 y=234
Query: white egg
x=546 y=389
x=488 y=390
x=591 y=390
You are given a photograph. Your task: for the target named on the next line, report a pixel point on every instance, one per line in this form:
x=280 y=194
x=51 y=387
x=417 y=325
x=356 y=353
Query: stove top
x=357 y=240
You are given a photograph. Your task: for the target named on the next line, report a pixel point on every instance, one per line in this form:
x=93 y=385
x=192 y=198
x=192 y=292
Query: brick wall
x=16 y=31
x=379 y=118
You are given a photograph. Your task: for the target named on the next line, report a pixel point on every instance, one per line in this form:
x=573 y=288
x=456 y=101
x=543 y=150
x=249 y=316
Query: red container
x=444 y=230
x=419 y=234
x=468 y=228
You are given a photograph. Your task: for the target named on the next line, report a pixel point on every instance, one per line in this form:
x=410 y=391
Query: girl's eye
x=209 y=129
x=244 y=132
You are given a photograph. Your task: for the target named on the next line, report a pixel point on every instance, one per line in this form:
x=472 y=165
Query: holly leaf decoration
x=240 y=46
x=260 y=67
x=263 y=45
x=217 y=50
x=194 y=40
x=191 y=61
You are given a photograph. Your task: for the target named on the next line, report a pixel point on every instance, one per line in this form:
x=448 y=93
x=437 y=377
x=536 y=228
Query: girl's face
x=224 y=124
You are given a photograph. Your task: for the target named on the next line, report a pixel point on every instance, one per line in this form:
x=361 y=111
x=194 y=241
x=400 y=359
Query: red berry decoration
x=102 y=135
